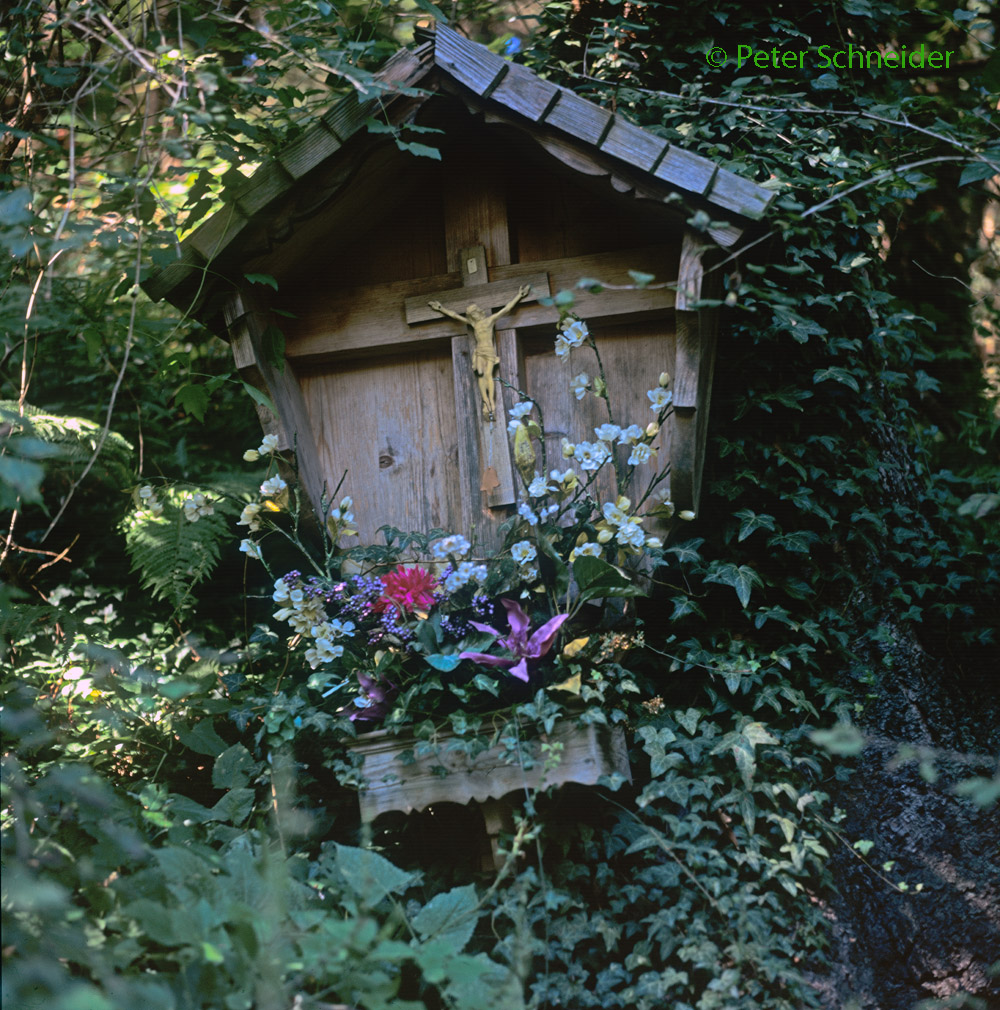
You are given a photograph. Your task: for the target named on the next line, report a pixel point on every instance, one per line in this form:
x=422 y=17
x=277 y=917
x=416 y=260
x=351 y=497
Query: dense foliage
x=179 y=829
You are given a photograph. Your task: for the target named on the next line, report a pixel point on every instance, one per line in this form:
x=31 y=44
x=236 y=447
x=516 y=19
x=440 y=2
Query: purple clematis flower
x=375 y=699
x=517 y=642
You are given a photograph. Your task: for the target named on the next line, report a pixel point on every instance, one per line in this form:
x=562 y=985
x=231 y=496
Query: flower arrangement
x=421 y=626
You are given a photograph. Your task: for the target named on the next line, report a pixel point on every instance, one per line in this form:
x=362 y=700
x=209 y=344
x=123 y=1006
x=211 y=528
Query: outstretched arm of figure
x=522 y=292
x=438 y=307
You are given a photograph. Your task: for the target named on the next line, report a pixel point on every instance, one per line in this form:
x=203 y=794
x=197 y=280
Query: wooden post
x=247 y=319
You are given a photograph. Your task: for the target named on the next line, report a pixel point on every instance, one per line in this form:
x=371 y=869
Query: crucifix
x=484 y=357
x=484 y=448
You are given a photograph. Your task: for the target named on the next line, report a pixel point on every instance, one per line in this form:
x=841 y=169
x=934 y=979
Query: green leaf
x=442 y=662
x=234 y=808
x=20 y=480
x=596 y=578
x=741 y=577
x=211 y=953
x=194 y=399
x=233 y=768
x=262 y=279
x=655 y=742
x=420 y=150
x=748 y=808
x=450 y=916
x=976 y=171
x=640 y=279
x=203 y=739
x=259 y=397
x=370 y=876
x=844 y=739
x=689 y=719
x=841 y=375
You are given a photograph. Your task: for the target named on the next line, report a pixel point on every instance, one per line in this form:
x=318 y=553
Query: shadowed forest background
x=179 y=822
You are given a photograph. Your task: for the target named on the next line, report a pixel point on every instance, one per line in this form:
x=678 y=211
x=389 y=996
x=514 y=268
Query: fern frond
x=74 y=440
x=170 y=553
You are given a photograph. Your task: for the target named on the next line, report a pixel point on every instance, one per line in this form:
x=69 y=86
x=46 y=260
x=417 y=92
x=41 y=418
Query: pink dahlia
x=406 y=589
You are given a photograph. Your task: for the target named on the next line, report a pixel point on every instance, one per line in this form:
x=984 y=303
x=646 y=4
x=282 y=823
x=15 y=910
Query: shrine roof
x=582 y=134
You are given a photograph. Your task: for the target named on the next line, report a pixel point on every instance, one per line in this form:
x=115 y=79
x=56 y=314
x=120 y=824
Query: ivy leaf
x=750 y=521
x=841 y=375
x=689 y=719
x=655 y=742
x=741 y=577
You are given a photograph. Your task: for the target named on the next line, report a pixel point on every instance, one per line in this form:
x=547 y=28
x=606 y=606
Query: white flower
x=686 y=514
x=251 y=455
x=568 y=449
x=578 y=385
x=630 y=435
x=654 y=542
x=479 y=573
x=538 y=487
x=273 y=486
x=641 y=453
x=614 y=514
x=530 y=574
x=323 y=652
x=659 y=398
x=562 y=347
x=455 y=544
x=631 y=533
x=146 y=492
x=591 y=455
x=549 y=510
x=458 y=578
x=524 y=511
x=197 y=506
x=575 y=333
x=586 y=549
x=250 y=549
x=521 y=409
x=248 y=517
x=280 y=594
x=268 y=446
x=523 y=552
x=154 y=507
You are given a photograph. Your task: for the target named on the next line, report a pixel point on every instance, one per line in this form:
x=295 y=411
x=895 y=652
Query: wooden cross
x=484 y=445
x=392 y=318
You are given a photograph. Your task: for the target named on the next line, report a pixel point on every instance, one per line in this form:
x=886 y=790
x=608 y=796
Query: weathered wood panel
x=332 y=323
x=391 y=425
x=247 y=318
x=579 y=118
x=633 y=145
x=633 y=357
x=588 y=752
x=523 y=92
x=471 y=64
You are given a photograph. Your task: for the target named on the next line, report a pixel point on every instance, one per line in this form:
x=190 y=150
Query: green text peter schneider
x=828 y=58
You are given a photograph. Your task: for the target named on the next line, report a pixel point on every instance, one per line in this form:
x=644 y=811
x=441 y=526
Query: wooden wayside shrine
x=367 y=349
x=534 y=187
